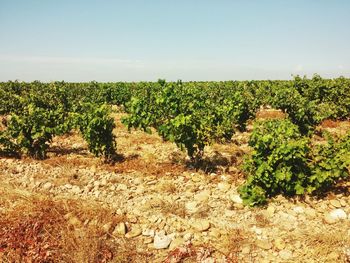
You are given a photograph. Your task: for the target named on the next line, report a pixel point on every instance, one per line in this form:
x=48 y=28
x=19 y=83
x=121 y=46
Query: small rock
x=329 y=219
x=148 y=232
x=236 y=199
x=107 y=227
x=201 y=225
x=285 y=254
x=188 y=236
x=238 y=206
x=87 y=188
x=148 y=240
x=279 y=243
x=343 y=202
x=161 y=241
x=335 y=203
x=138 y=181
x=120 y=229
x=230 y=213
x=196 y=178
x=264 y=244
x=191 y=207
x=103 y=182
x=132 y=219
x=298 y=209
x=310 y=212
x=246 y=250
x=75 y=189
x=257 y=230
x=68 y=186
x=202 y=196
x=224 y=186
x=270 y=211
x=338 y=214
x=334 y=216
x=215 y=233
x=176 y=243
x=122 y=187
x=47 y=186
x=135 y=231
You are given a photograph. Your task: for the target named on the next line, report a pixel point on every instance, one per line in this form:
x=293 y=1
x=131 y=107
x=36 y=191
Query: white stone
x=103 y=182
x=201 y=225
x=161 y=241
x=224 y=186
x=188 y=236
x=75 y=189
x=285 y=254
x=236 y=199
x=68 y=186
x=338 y=214
x=192 y=207
x=47 y=186
x=298 y=209
x=202 y=196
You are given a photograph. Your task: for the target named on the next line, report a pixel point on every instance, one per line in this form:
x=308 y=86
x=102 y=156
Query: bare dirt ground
x=152 y=207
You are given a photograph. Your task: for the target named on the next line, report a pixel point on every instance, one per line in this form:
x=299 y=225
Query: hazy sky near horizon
x=135 y=40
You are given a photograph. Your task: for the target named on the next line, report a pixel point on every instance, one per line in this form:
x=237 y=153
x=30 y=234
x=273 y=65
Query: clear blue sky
x=83 y=40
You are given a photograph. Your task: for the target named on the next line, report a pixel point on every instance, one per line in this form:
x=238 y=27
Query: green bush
x=285 y=162
x=190 y=115
x=96 y=126
x=34 y=128
x=278 y=163
x=330 y=162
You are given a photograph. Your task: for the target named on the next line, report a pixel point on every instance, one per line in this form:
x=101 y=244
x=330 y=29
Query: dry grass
x=330 y=124
x=167 y=186
x=174 y=208
x=261 y=220
x=339 y=128
x=36 y=228
x=146 y=167
x=267 y=114
x=232 y=244
x=325 y=244
x=69 y=162
x=3 y=123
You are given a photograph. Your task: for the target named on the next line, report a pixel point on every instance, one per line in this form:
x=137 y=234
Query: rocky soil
x=167 y=205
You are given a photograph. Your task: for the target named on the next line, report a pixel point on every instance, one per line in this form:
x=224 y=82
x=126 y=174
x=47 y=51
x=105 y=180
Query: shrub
x=96 y=126
x=285 y=162
x=278 y=163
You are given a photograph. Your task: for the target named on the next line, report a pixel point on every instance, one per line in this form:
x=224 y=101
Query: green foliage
x=37 y=112
x=285 y=162
x=278 y=163
x=97 y=126
x=6 y=145
x=330 y=162
x=34 y=128
x=190 y=115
